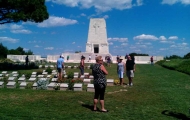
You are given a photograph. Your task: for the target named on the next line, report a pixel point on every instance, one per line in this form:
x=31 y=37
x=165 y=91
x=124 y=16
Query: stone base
x=11 y=85
x=77 y=87
x=90 y=88
x=2 y=85
x=63 y=86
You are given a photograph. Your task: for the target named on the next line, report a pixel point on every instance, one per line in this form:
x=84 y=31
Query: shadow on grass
x=91 y=107
x=175 y=115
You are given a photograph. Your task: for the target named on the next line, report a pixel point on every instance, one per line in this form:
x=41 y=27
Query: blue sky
x=154 y=27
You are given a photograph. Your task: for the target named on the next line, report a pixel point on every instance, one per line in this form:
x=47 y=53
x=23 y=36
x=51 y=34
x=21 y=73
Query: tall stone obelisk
x=97 y=37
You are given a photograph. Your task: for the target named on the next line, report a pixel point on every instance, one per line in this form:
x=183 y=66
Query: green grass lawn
x=157 y=94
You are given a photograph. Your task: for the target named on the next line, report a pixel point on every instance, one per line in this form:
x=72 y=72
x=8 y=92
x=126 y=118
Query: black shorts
x=59 y=69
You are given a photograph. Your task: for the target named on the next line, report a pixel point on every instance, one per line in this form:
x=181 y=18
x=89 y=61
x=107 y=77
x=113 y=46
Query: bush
x=39 y=72
x=42 y=84
x=70 y=75
x=29 y=86
x=49 y=70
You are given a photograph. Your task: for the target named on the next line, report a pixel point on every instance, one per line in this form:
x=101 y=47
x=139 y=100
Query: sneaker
x=131 y=84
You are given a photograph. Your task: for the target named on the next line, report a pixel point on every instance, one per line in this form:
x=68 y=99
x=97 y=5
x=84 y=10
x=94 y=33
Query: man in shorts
x=130 y=69
x=60 y=65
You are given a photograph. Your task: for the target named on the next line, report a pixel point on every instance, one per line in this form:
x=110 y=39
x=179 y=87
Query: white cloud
x=184 y=44
x=25 y=49
x=162 y=38
x=21 y=31
x=3 y=26
x=37 y=46
x=73 y=42
x=8 y=39
x=82 y=14
x=124 y=44
x=118 y=39
x=56 y=21
x=110 y=43
x=145 y=37
x=171 y=2
x=100 y=5
x=106 y=16
x=173 y=38
x=49 y=48
x=163 y=48
x=14 y=26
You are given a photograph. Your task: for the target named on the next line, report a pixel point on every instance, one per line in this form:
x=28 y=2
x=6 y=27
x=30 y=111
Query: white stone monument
x=97 y=37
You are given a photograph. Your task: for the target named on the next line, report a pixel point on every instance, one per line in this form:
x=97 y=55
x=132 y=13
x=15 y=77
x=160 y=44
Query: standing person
x=126 y=56
x=60 y=65
x=26 y=60
x=117 y=58
x=89 y=58
x=81 y=67
x=109 y=61
x=130 y=69
x=99 y=72
x=67 y=57
x=120 y=70
x=151 y=60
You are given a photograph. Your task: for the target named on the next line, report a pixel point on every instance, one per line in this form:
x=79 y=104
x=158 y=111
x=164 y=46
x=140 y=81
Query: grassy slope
x=155 y=90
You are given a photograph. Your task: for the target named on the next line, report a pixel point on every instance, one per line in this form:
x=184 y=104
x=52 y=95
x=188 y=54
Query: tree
x=29 y=52
x=21 y=50
x=14 y=52
x=22 y=10
x=3 y=51
x=187 y=56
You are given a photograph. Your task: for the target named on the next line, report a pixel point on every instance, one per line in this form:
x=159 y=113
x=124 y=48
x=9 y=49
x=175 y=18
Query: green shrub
x=49 y=70
x=70 y=75
x=39 y=72
x=42 y=84
x=29 y=86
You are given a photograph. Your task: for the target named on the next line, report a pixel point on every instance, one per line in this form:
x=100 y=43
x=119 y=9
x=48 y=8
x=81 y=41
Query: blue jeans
x=82 y=70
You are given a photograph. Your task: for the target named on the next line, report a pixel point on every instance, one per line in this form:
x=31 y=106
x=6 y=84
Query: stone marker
x=51 y=66
x=51 y=86
x=46 y=66
x=1 y=75
x=65 y=76
x=33 y=76
x=77 y=87
x=91 y=77
x=1 y=78
x=40 y=76
x=23 y=85
x=48 y=76
x=4 y=72
x=34 y=86
x=11 y=85
x=34 y=73
x=40 y=66
x=86 y=73
x=1 y=84
x=44 y=73
x=14 y=72
x=11 y=79
x=63 y=86
x=15 y=75
x=21 y=79
x=76 y=73
x=97 y=37
x=32 y=79
x=110 y=82
x=86 y=81
x=75 y=76
x=54 y=80
x=69 y=66
x=82 y=76
x=90 y=88
x=54 y=71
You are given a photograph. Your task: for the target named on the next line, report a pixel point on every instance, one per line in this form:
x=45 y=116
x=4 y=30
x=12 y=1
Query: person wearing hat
x=60 y=64
x=120 y=70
